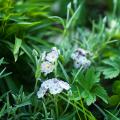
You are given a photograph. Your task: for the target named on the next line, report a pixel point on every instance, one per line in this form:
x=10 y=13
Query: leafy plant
x=89 y=87
x=30 y=27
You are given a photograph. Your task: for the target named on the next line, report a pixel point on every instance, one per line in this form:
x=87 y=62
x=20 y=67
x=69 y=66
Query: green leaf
x=101 y=93
x=114 y=100
x=18 y=43
x=23 y=104
x=116 y=87
x=74 y=17
x=90 y=88
x=110 y=68
x=59 y=19
x=1 y=61
x=68 y=116
x=110 y=72
x=76 y=95
x=89 y=80
x=64 y=71
x=89 y=98
x=112 y=116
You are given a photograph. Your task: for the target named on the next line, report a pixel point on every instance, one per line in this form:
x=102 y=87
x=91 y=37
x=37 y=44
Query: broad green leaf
x=101 y=93
x=89 y=98
x=110 y=68
x=91 y=78
x=110 y=72
x=76 y=93
x=91 y=87
x=88 y=80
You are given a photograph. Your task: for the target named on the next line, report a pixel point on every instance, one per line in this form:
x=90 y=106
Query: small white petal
x=77 y=64
x=86 y=63
x=41 y=92
x=55 y=90
x=47 y=67
x=64 y=85
x=55 y=49
x=82 y=61
x=52 y=56
x=78 y=53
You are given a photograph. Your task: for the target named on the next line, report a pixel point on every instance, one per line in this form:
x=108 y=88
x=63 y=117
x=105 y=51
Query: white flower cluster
x=80 y=58
x=48 y=60
x=54 y=86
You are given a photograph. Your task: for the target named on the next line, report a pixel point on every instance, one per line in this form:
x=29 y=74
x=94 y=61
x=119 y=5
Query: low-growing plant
x=59 y=60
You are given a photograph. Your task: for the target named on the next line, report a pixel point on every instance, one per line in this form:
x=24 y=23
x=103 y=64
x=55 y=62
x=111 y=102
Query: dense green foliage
x=30 y=27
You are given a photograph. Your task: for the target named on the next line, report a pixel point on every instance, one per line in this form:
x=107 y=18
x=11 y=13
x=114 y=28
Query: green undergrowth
x=30 y=27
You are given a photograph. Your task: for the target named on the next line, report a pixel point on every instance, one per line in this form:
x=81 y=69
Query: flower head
x=80 y=59
x=86 y=63
x=54 y=86
x=53 y=55
x=82 y=62
x=78 y=52
x=47 y=67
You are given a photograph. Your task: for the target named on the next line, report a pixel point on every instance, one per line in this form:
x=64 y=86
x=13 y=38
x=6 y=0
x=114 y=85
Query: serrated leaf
x=110 y=72
x=91 y=88
x=89 y=80
x=111 y=68
x=101 y=93
x=76 y=95
x=89 y=98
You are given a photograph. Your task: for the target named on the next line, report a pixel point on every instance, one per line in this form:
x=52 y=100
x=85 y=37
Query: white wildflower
x=55 y=49
x=78 y=52
x=80 y=58
x=41 y=92
x=54 y=86
x=86 y=63
x=82 y=62
x=64 y=85
x=53 y=55
x=47 y=67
